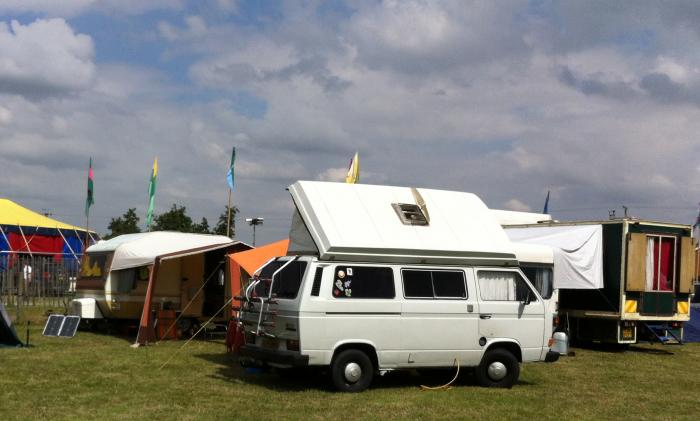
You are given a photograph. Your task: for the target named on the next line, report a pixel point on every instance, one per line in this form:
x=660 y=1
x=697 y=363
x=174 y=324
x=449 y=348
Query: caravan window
x=287 y=281
x=541 y=278
x=503 y=286
x=363 y=282
x=660 y=263
x=433 y=283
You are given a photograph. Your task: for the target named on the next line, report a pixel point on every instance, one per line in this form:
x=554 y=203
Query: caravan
x=379 y=278
x=157 y=271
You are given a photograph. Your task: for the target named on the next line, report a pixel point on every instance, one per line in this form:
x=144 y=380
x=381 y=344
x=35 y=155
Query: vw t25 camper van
x=380 y=278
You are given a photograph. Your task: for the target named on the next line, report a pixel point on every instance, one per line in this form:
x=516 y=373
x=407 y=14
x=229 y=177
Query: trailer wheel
x=498 y=368
x=352 y=371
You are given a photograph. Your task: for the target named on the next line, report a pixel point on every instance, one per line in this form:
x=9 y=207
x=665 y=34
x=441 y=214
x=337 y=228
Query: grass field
x=99 y=376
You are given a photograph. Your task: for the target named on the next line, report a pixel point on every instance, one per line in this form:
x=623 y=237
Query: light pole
x=254 y=222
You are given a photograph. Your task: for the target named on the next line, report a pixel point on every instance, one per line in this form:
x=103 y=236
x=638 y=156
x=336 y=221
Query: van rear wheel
x=498 y=368
x=352 y=371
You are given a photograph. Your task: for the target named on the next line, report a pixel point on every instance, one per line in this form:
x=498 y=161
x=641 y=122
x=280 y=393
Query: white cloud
x=5 y=116
x=44 y=58
x=333 y=174
x=68 y=8
x=517 y=205
x=195 y=27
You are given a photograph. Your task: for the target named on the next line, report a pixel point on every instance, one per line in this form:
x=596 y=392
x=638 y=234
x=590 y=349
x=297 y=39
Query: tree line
x=176 y=219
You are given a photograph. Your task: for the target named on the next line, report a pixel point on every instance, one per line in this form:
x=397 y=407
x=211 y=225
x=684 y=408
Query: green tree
x=125 y=224
x=202 y=227
x=220 y=228
x=175 y=219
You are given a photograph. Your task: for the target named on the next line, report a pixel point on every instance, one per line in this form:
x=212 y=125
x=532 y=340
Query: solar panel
x=70 y=325
x=53 y=325
x=60 y=325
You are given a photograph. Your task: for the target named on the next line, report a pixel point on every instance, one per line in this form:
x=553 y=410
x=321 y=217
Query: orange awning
x=251 y=260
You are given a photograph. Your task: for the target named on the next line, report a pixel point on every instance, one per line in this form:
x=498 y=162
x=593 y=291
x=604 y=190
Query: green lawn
x=100 y=376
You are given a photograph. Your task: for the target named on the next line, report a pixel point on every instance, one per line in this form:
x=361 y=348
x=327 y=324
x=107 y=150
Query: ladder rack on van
x=264 y=302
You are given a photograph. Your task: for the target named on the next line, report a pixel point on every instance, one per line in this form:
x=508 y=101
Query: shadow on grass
x=622 y=348
x=230 y=370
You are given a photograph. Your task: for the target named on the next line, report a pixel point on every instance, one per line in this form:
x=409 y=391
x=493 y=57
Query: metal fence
x=37 y=279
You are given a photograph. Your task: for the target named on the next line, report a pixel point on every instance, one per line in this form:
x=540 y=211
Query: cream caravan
x=117 y=274
x=379 y=278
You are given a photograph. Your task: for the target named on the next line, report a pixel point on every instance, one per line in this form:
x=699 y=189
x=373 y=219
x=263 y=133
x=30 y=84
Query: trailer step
x=663 y=333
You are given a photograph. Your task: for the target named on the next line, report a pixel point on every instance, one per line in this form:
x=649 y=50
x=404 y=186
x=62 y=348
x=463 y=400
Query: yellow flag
x=354 y=170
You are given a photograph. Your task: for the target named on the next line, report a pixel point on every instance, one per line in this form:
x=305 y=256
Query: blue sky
x=594 y=101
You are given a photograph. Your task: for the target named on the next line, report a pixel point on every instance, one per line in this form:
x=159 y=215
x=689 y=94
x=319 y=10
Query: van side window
x=503 y=286
x=433 y=283
x=363 y=282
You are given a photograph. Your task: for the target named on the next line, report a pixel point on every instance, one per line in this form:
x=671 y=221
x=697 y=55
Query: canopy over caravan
x=340 y=221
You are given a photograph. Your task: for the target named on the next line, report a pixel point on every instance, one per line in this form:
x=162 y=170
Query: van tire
x=490 y=372
x=350 y=363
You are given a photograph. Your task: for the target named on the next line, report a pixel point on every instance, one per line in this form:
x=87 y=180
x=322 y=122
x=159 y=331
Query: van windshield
x=287 y=281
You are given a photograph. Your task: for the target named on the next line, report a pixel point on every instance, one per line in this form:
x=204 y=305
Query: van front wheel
x=498 y=368
x=351 y=371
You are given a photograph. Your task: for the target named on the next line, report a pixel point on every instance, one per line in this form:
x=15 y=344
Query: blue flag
x=546 y=204
x=229 y=175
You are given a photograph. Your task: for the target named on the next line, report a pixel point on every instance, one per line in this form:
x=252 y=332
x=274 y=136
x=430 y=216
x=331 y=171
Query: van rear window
x=363 y=282
x=287 y=281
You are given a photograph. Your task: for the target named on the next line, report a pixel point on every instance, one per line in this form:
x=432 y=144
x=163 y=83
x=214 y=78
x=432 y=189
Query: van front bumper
x=274 y=356
x=551 y=356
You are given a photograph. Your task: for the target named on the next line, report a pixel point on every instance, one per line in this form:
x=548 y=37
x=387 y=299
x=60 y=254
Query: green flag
x=90 y=199
x=152 y=193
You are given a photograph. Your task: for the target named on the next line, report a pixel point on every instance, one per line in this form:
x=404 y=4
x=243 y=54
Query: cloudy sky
x=597 y=101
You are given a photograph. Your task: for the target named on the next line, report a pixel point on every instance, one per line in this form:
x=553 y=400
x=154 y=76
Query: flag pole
x=228 y=218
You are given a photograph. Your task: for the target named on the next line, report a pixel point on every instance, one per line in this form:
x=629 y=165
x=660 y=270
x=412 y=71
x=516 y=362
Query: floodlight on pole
x=254 y=222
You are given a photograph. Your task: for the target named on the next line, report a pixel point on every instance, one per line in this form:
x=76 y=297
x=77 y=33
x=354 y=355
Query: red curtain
x=664 y=264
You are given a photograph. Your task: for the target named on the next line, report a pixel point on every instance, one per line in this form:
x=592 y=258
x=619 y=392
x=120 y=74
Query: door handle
x=484 y=316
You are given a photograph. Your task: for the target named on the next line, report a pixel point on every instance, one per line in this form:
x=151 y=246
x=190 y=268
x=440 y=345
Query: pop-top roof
x=133 y=250
x=395 y=224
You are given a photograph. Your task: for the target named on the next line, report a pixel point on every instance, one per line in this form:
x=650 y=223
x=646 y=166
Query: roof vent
x=410 y=214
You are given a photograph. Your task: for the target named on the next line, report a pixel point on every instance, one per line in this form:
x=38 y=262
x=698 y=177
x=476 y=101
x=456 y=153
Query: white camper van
x=381 y=278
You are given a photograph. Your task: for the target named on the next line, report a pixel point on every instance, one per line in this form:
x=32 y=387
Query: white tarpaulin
x=133 y=250
x=578 y=252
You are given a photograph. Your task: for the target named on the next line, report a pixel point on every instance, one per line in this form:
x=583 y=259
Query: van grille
x=316 y=287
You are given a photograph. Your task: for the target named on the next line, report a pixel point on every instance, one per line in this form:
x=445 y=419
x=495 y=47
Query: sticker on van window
x=341 y=274
x=348 y=293
x=349 y=271
x=339 y=284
